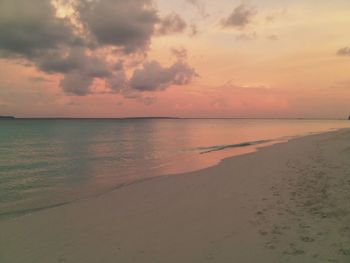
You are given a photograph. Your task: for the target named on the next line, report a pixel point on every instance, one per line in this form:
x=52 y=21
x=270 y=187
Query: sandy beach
x=286 y=203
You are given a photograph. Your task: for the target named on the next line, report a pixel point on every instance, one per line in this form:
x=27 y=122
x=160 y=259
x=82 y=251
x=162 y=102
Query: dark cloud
x=76 y=83
x=29 y=28
x=171 y=24
x=118 y=81
x=87 y=45
x=152 y=76
x=345 y=51
x=79 y=69
x=60 y=61
x=126 y=24
x=119 y=65
x=241 y=16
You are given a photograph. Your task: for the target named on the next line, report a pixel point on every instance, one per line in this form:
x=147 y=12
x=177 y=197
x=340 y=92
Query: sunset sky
x=185 y=58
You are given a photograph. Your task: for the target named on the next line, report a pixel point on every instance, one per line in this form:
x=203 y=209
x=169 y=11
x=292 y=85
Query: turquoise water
x=45 y=163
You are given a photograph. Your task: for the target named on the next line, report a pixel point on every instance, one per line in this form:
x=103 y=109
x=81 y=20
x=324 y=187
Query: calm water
x=50 y=162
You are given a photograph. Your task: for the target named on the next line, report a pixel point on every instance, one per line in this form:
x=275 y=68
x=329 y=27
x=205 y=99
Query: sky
x=183 y=58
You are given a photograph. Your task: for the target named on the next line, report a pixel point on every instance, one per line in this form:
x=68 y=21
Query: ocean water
x=45 y=163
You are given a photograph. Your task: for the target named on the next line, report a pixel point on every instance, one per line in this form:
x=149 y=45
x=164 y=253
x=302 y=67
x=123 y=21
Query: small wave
x=15 y=213
x=238 y=145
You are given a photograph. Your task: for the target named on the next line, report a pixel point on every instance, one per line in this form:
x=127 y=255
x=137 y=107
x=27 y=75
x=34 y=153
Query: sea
x=51 y=162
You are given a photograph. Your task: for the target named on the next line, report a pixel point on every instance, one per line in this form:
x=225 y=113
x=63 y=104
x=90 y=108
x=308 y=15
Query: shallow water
x=45 y=163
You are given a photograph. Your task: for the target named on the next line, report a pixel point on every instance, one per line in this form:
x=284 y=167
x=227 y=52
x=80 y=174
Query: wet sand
x=286 y=203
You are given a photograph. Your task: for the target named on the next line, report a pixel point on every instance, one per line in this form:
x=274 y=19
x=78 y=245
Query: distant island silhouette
x=8 y=117
x=155 y=117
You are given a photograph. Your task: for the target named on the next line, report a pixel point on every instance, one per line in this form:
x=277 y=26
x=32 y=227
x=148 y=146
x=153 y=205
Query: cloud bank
x=152 y=76
x=92 y=42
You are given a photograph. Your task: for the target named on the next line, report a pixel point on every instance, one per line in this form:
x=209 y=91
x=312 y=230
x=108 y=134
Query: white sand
x=285 y=203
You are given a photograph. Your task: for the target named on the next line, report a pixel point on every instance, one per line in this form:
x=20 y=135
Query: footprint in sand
x=306 y=239
x=263 y=233
x=293 y=251
x=276 y=230
x=333 y=260
x=303 y=226
x=345 y=252
x=270 y=245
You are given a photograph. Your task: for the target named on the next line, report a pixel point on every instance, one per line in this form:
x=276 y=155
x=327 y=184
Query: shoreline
x=231 y=152
x=257 y=207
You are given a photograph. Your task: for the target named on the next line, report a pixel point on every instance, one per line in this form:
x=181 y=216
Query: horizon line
x=168 y=117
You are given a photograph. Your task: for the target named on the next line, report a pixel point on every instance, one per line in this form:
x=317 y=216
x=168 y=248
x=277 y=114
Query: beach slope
x=286 y=203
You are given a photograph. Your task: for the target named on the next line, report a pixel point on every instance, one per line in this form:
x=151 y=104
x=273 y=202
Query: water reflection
x=45 y=162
